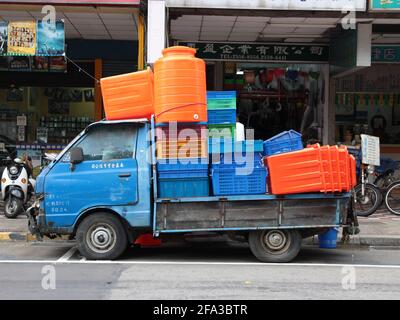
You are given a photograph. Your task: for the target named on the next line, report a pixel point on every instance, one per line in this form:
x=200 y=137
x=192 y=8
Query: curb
x=16 y=236
x=368 y=240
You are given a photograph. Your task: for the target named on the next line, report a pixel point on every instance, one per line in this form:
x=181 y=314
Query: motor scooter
x=17 y=188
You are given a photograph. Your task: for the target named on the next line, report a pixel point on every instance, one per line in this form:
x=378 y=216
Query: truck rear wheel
x=275 y=245
x=101 y=236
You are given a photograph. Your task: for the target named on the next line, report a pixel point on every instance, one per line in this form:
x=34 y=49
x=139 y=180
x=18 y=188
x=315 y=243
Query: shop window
x=106 y=143
x=274 y=97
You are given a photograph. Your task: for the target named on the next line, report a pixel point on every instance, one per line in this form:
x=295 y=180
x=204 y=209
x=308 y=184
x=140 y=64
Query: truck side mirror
x=76 y=156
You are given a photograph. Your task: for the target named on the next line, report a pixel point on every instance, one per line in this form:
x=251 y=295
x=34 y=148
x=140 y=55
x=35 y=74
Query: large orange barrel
x=180 y=86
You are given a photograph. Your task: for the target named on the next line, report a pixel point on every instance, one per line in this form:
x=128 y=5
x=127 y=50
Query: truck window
x=108 y=142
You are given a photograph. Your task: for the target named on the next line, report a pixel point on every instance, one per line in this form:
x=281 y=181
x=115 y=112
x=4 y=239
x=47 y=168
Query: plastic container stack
x=181 y=118
x=182 y=178
x=221 y=110
x=313 y=169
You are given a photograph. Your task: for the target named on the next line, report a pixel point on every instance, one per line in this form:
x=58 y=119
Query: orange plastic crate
x=296 y=172
x=314 y=169
x=128 y=96
x=178 y=149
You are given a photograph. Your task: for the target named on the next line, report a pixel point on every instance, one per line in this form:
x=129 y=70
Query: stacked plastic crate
x=182 y=159
x=286 y=141
x=238 y=168
x=221 y=110
x=313 y=169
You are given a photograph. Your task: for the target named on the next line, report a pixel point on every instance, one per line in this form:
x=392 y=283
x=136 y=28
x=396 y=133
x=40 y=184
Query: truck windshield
x=108 y=142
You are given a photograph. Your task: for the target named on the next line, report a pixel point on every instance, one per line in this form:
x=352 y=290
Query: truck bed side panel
x=249 y=214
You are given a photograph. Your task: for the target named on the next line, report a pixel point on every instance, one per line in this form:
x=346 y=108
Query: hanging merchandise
x=380 y=101
x=249 y=77
x=391 y=99
x=361 y=100
x=351 y=99
x=368 y=101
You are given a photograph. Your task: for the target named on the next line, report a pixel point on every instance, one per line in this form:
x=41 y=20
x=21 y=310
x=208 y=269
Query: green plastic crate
x=217 y=104
x=221 y=130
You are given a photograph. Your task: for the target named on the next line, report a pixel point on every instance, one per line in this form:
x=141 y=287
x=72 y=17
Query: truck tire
x=276 y=245
x=101 y=236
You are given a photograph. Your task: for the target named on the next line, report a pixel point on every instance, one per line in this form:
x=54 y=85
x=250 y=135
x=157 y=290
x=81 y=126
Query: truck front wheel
x=101 y=236
x=275 y=245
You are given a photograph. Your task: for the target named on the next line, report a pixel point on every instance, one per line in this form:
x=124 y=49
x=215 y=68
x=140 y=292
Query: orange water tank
x=180 y=86
x=128 y=96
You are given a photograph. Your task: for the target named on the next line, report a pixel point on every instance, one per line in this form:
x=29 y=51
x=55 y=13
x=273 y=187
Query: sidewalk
x=14 y=229
x=380 y=229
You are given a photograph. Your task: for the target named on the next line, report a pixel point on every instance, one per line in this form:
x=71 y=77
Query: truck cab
x=105 y=174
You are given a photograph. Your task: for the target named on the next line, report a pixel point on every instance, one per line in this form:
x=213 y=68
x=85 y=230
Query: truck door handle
x=124 y=175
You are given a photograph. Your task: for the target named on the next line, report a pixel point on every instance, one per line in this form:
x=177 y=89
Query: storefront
x=368 y=101
x=274 y=56
x=46 y=100
x=367 y=98
x=279 y=86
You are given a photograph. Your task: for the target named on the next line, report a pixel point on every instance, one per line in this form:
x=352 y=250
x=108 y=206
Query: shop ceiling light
x=390 y=35
x=291 y=35
x=300 y=25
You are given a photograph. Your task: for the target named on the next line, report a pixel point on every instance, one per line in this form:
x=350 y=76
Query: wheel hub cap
x=101 y=237
x=275 y=240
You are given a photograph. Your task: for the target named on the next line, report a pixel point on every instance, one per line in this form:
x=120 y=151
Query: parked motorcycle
x=16 y=188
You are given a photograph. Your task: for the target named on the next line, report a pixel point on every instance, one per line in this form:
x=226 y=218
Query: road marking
x=59 y=261
x=67 y=255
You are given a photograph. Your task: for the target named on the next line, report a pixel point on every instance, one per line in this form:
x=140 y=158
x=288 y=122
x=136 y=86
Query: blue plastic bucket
x=328 y=239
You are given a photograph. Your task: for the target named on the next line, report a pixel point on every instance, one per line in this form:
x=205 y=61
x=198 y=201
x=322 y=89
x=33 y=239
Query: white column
x=155 y=29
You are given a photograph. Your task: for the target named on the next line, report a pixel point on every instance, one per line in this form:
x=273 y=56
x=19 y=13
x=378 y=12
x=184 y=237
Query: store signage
x=336 y=5
x=370 y=150
x=385 y=5
x=385 y=53
x=259 y=51
x=351 y=50
x=32 y=38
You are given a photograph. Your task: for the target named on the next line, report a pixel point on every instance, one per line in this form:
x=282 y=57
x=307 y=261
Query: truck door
x=106 y=177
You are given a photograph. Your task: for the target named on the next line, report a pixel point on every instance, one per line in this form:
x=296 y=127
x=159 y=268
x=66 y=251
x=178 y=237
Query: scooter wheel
x=12 y=207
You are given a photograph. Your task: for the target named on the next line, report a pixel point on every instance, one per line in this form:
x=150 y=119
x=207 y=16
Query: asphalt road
x=196 y=271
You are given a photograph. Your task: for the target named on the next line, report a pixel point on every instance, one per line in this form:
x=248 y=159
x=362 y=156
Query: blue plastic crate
x=227 y=182
x=183 y=168
x=221 y=95
x=185 y=164
x=237 y=160
x=183 y=187
x=284 y=142
x=229 y=145
x=223 y=116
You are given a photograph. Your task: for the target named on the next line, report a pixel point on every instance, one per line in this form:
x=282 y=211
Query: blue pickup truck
x=102 y=191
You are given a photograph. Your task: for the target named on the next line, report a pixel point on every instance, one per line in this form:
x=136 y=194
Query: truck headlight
x=13 y=170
